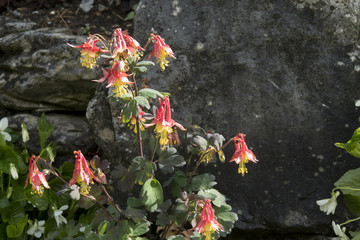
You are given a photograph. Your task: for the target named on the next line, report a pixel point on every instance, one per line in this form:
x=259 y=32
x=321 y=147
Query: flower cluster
x=208 y=224
x=242 y=154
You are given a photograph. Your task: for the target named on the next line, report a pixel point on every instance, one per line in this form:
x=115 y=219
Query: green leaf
x=45 y=130
x=145 y=63
x=152 y=194
x=135 y=214
x=200 y=142
x=7 y=156
x=196 y=236
x=102 y=227
x=176 y=237
x=140 y=69
x=72 y=229
x=349 y=184
x=162 y=219
x=353 y=145
x=16 y=230
x=4 y=202
x=202 y=182
x=214 y=195
x=142 y=101
x=129 y=110
x=168 y=160
x=13 y=213
x=178 y=181
x=140 y=228
x=150 y=93
x=130 y=16
x=40 y=202
x=144 y=169
x=215 y=140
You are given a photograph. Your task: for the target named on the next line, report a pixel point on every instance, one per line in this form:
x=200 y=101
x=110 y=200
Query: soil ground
x=103 y=17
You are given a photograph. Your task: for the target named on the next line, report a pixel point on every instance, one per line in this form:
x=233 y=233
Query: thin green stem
x=138 y=120
x=154 y=149
x=193 y=172
x=349 y=221
x=346 y=188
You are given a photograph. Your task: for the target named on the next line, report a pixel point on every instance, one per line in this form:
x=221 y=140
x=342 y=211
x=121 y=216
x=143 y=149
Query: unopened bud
x=24 y=133
x=13 y=171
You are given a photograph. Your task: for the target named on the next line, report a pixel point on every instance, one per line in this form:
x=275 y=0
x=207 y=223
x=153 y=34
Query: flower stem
x=138 y=120
x=349 y=221
x=193 y=172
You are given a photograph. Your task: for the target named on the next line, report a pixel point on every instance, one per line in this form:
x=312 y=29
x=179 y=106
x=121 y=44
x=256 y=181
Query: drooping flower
x=89 y=52
x=36 y=177
x=161 y=51
x=37 y=228
x=82 y=173
x=163 y=122
x=242 y=154
x=3 y=125
x=124 y=45
x=58 y=214
x=117 y=78
x=329 y=205
x=208 y=223
x=340 y=232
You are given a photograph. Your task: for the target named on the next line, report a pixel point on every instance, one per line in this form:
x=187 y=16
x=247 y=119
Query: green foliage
x=353 y=145
x=151 y=194
x=45 y=130
x=349 y=184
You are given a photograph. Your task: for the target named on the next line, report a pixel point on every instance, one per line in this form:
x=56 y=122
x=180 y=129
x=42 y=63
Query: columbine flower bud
x=329 y=205
x=24 y=133
x=13 y=171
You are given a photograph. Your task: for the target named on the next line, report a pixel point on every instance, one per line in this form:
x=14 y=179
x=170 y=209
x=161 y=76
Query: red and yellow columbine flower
x=36 y=177
x=242 y=154
x=161 y=51
x=117 y=78
x=124 y=45
x=208 y=223
x=89 y=52
x=82 y=173
x=163 y=122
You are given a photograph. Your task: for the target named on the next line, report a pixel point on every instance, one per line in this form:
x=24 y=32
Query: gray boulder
x=38 y=71
x=283 y=72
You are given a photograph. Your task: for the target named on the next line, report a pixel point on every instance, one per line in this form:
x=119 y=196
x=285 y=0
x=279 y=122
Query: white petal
x=6 y=136
x=63 y=208
x=4 y=124
x=323 y=201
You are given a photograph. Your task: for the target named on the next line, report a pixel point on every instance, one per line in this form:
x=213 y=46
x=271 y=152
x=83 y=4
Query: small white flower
x=58 y=214
x=75 y=194
x=339 y=232
x=3 y=125
x=37 y=229
x=13 y=171
x=329 y=205
x=24 y=133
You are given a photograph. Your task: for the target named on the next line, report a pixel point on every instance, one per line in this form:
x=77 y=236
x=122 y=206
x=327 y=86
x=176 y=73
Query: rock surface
x=39 y=72
x=278 y=71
